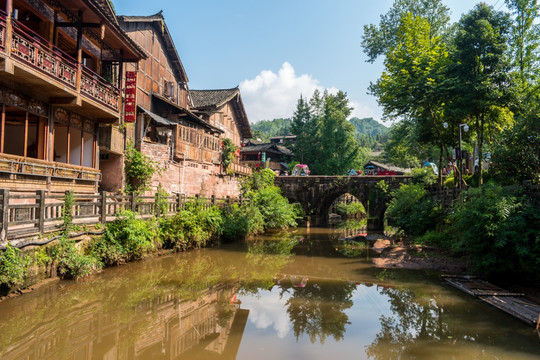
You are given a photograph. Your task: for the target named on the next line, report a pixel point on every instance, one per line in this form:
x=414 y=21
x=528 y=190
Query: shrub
x=139 y=169
x=412 y=210
x=350 y=209
x=126 y=238
x=276 y=210
x=13 y=266
x=242 y=220
x=71 y=263
x=192 y=227
x=424 y=176
x=499 y=230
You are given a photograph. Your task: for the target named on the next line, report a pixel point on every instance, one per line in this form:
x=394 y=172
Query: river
x=301 y=294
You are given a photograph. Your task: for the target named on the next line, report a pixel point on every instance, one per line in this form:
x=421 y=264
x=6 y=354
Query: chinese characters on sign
x=130 y=92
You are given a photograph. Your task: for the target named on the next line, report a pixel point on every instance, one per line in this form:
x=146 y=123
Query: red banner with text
x=130 y=92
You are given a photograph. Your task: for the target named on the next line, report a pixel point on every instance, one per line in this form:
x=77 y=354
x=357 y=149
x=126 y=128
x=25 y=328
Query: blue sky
x=277 y=49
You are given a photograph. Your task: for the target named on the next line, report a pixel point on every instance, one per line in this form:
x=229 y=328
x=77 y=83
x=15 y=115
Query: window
x=25 y=133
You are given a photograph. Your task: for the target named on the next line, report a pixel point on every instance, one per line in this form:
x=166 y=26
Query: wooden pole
x=103 y=207
x=5 y=214
x=41 y=223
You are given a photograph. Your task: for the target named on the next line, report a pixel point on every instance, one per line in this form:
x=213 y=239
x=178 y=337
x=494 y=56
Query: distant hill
x=265 y=129
x=370 y=134
x=368 y=126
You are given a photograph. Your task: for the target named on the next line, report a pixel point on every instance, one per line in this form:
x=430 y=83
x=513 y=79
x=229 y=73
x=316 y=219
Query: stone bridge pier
x=317 y=193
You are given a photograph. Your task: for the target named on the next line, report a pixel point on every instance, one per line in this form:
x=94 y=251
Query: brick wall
x=195 y=178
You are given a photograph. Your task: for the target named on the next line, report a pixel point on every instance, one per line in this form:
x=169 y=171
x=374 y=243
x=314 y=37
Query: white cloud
x=363 y=110
x=269 y=312
x=269 y=95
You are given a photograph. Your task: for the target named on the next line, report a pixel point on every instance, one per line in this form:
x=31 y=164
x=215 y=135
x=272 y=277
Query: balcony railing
x=37 y=52
x=19 y=165
x=2 y=30
x=99 y=89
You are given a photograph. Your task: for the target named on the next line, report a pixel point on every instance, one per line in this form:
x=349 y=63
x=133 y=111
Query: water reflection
x=299 y=298
x=317 y=310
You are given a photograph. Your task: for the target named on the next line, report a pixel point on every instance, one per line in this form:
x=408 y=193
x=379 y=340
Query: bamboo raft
x=512 y=303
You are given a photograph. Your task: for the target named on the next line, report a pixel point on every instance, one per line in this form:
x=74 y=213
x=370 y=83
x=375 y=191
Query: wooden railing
x=2 y=30
x=25 y=215
x=239 y=168
x=37 y=52
x=13 y=164
x=97 y=88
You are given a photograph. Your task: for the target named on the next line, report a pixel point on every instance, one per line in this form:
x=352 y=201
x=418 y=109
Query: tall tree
x=305 y=127
x=525 y=39
x=324 y=138
x=480 y=77
x=411 y=84
x=377 y=41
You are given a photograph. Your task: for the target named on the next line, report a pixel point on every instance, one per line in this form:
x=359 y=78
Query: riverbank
x=402 y=254
x=405 y=255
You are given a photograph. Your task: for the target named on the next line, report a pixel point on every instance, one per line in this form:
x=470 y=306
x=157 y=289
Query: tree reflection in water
x=415 y=318
x=318 y=309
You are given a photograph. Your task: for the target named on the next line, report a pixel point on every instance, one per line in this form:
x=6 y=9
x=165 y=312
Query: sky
x=278 y=50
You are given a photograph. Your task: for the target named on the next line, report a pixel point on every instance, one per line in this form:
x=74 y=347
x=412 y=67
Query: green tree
x=412 y=84
x=324 y=138
x=525 y=39
x=305 y=127
x=480 y=77
x=403 y=149
x=379 y=40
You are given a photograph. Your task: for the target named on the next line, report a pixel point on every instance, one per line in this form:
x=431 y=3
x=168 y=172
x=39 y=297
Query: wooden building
x=267 y=155
x=170 y=128
x=224 y=109
x=61 y=71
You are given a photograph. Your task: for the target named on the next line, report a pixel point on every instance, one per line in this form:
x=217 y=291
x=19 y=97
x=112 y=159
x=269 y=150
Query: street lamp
x=459 y=156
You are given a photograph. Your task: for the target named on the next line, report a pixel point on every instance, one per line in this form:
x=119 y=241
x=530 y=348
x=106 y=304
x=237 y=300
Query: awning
x=284 y=165
x=158 y=119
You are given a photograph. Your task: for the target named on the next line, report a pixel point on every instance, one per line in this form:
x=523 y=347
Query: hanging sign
x=130 y=91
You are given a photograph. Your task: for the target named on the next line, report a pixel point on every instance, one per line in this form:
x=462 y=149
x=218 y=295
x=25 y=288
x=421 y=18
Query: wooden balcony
x=28 y=48
x=111 y=139
x=96 y=88
x=45 y=69
x=23 y=173
x=239 y=168
x=2 y=31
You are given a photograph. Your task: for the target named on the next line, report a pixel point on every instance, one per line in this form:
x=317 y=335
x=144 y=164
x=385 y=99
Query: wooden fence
x=25 y=215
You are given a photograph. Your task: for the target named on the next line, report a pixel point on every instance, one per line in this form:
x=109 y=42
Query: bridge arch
x=317 y=193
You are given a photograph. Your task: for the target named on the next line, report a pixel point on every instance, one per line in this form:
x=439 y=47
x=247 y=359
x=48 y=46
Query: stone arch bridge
x=317 y=193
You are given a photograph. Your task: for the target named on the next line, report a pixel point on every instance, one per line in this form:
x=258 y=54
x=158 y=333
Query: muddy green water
x=307 y=296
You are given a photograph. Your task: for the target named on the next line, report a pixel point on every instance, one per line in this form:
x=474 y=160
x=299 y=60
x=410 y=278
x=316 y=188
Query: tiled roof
x=387 y=167
x=212 y=98
x=268 y=147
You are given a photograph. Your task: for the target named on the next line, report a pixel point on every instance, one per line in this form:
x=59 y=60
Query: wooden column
x=68 y=150
x=82 y=147
x=25 y=135
x=79 y=51
x=3 y=128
